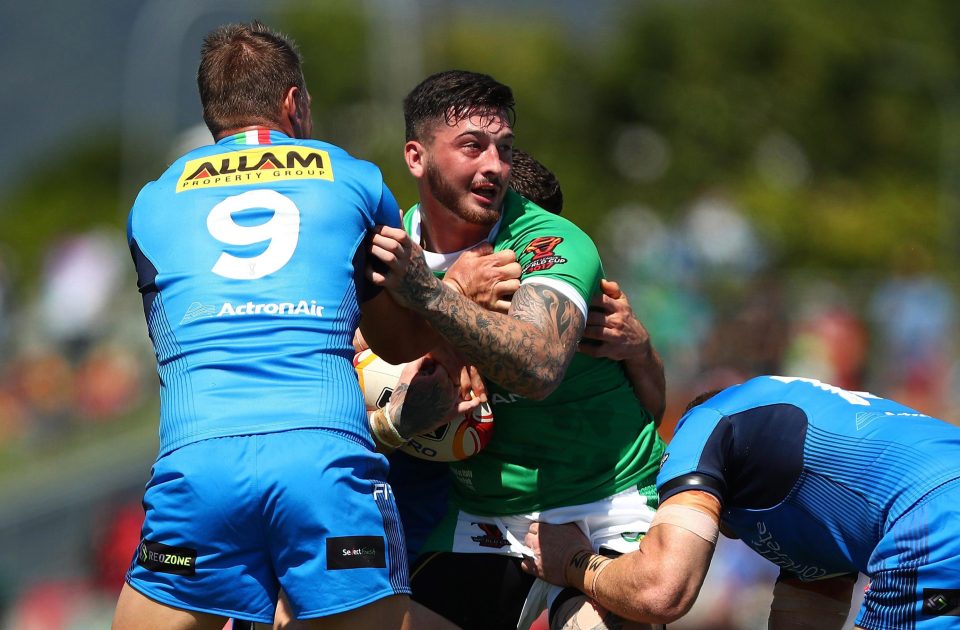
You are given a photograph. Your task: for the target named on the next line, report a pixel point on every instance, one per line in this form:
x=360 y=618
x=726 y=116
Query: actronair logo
x=161 y=558
x=272 y=308
x=228 y=309
x=197 y=311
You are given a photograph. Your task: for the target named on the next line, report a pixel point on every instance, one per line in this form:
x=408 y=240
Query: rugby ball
x=456 y=440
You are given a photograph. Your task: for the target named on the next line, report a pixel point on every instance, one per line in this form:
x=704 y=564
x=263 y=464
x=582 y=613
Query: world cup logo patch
x=544 y=257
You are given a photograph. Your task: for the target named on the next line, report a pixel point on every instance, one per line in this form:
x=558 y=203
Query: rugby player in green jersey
x=572 y=442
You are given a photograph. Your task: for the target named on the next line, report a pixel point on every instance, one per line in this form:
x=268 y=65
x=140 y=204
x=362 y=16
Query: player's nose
x=492 y=165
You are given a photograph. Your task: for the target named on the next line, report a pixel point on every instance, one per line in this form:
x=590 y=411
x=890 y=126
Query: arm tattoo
x=527 y=351
x=542 y=305
x=419 y=285
x=586 y=559
x=421 y=407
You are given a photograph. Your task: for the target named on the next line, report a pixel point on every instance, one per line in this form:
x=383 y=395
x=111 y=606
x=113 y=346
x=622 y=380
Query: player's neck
x=454 y=234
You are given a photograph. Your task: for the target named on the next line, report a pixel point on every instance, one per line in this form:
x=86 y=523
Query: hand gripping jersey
x=249 y=256
x=589 y=439
x=811 y=476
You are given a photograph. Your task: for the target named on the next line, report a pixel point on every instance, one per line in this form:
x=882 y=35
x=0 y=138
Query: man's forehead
x=489 y=120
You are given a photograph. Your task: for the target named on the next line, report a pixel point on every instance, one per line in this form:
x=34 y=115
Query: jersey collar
x=441 y=262
x=260 y=135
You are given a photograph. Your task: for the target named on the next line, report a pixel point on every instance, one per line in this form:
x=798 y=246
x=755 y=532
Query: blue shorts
x=915 y=570
x=421 y=488
x=229 y=521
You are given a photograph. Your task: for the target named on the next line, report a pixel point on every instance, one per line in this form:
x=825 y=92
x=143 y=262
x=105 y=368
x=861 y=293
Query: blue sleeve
x=749 y=459
x=388 y=212
x=694 y=457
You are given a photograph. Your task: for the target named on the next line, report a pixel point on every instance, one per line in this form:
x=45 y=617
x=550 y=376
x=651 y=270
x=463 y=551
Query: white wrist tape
x=801 y=609
x=383 y=429
x=690 y=519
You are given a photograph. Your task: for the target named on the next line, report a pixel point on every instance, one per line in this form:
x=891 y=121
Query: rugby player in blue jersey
x=250 y=257
x=824 y=482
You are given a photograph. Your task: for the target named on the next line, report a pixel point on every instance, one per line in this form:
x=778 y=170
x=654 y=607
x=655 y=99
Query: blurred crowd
x=73 y=349
x=82 y=600
x=74 y=356
x=720 y=311
x=74 y=362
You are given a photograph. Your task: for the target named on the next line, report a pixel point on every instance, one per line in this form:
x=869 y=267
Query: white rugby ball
x=456 y=440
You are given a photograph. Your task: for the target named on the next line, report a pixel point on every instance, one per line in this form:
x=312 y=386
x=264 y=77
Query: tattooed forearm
x=420 y=285
x=421 y=405
x=527 y=351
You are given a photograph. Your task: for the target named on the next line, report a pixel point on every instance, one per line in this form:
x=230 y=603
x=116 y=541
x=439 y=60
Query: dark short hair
x=701 y=398
x=536 y=182
x=451 y=96
x=245 y=73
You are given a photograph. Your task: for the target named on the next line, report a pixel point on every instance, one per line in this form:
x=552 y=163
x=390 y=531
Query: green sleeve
x=550 y=246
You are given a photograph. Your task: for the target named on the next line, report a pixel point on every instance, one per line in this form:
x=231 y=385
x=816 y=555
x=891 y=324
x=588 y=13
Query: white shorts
x=616 y=523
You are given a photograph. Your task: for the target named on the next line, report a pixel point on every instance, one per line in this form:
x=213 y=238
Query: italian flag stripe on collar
x=255 y=136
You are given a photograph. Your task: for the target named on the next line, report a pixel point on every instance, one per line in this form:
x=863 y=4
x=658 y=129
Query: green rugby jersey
x=589 y=439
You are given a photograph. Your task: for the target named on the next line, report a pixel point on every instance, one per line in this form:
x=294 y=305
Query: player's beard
x=455 y=200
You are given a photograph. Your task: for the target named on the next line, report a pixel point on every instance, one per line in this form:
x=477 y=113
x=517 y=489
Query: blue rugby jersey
x=809 y=475
x=249 y=255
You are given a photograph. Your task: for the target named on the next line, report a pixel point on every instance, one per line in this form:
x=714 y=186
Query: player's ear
x=289 y=110
x=415 y=155
x=295 y=115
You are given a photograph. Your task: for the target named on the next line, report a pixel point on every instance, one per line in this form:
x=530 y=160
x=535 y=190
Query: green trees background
x=834 y=125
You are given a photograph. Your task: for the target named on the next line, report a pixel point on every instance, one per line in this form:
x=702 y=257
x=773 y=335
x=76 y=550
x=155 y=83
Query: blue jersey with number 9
x=249 y=257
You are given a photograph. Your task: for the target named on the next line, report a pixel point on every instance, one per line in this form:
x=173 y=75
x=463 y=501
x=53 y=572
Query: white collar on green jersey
x=442 y=262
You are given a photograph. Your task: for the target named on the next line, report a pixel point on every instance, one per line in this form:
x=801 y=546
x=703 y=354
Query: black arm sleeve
x=693 y=481
x=366 y=290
